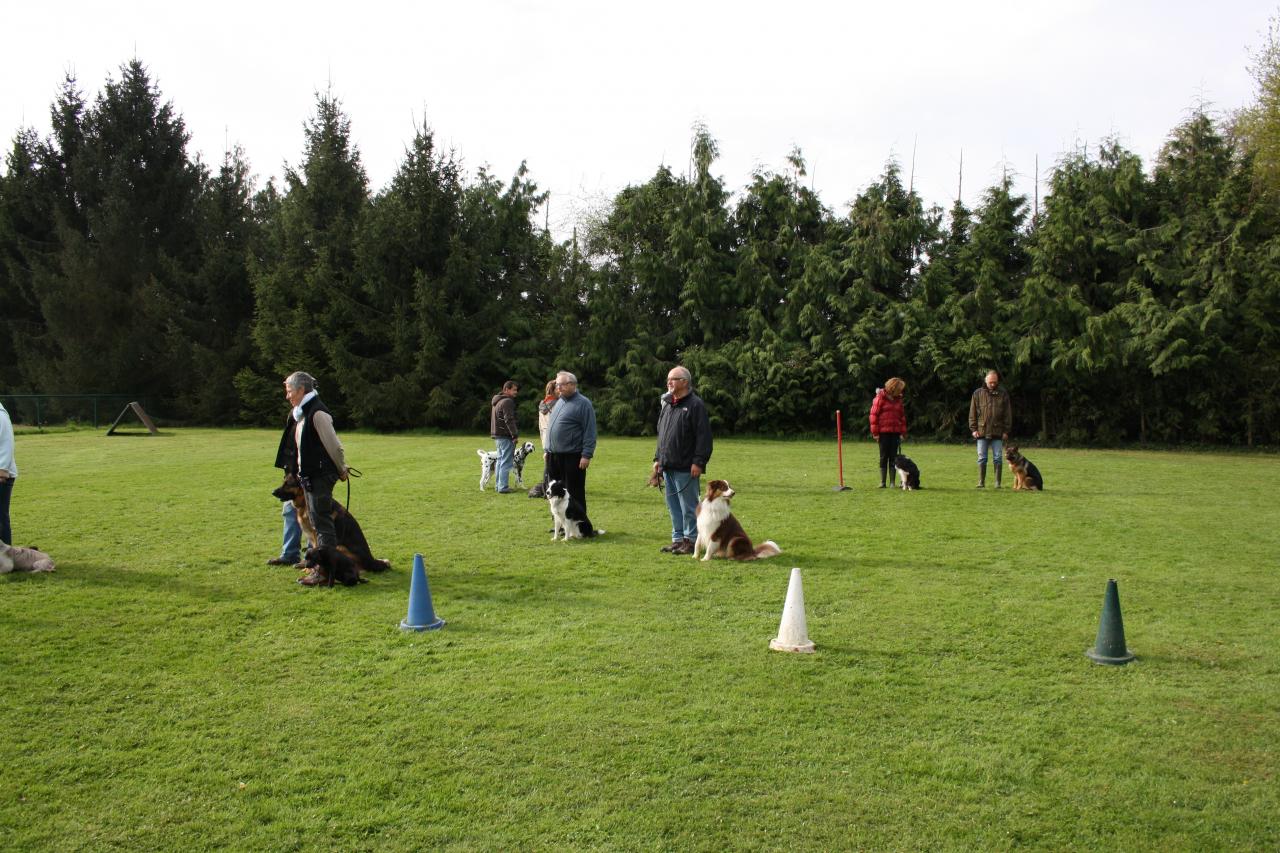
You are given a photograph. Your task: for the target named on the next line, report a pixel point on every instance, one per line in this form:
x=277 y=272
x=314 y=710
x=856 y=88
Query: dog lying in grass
x=24 y=560
x=329 y=565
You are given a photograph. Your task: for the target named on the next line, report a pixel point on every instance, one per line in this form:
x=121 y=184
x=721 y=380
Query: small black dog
x=908 y=472
x=329 y=565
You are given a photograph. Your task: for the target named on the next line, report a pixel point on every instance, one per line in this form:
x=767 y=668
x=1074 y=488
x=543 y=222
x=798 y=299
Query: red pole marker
x=840 y=452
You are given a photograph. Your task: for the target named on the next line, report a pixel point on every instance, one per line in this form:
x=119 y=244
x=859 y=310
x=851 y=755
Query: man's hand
x=342 y=475
x=695 y=470
x=584 y=462
x=975 y=433
x=1004 y=436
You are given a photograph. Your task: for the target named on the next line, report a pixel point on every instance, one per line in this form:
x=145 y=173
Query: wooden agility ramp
x=137 y=409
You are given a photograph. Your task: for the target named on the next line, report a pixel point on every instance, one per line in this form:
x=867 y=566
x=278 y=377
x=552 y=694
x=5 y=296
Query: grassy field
x=165 y=689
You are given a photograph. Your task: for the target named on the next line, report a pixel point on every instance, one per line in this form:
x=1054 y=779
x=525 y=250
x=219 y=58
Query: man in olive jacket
x=504 y=431
x=684 y=448
x=990 y=419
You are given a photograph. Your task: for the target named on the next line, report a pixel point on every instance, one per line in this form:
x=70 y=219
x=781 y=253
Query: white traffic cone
x=793 y=632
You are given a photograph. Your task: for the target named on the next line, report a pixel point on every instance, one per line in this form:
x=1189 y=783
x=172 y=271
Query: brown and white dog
x=720 y=534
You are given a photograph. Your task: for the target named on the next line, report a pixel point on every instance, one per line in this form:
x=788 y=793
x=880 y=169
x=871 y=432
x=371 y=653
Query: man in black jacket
x=312 y=446
x=684 y=448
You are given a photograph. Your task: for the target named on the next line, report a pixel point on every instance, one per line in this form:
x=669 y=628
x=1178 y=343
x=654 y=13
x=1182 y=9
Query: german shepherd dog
x=351 y=541
x=1026 y=476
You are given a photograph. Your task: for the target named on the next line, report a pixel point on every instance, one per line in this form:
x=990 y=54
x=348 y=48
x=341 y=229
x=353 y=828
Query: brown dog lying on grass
x=24 y=560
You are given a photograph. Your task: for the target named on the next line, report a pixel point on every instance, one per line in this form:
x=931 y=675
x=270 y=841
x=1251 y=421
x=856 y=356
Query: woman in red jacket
x=888 y=424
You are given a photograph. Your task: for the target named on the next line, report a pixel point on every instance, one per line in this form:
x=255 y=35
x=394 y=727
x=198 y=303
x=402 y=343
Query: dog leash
x=351 y=472
x=683 y=488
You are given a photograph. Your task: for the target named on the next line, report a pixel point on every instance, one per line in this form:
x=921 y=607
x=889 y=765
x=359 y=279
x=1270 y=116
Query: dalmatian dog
x=489 y=464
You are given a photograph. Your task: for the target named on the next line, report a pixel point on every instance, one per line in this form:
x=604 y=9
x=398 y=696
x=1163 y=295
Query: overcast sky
x=597 y=95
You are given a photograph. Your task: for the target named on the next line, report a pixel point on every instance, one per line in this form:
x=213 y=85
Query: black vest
x=315 y=458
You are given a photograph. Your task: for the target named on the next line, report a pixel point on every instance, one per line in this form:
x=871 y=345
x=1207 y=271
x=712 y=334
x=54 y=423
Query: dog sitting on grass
x=1026 y=476
x=351 y=539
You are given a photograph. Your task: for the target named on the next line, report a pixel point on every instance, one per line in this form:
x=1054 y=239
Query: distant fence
x=46 y=409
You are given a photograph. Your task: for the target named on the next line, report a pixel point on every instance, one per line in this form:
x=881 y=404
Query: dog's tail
x=767 y=548
x=483 y=454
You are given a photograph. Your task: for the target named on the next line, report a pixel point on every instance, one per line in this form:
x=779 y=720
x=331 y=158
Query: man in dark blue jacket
x=684 y=448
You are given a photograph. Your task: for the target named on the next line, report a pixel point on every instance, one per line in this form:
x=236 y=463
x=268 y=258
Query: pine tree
x=127 y=229
x=307 y=294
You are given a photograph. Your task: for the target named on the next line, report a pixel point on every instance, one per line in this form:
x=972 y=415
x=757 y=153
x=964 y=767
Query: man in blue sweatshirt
x=571 y=443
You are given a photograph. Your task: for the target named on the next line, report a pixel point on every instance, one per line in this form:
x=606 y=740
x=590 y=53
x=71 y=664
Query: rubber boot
x=883 y=469
x=982 y=475
x=999 y=471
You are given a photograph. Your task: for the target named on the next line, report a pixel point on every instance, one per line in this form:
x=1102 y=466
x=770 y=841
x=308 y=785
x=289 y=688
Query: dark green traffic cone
x=1109 y=648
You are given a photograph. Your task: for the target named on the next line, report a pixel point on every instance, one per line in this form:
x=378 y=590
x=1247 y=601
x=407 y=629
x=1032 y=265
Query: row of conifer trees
x=1133 y=304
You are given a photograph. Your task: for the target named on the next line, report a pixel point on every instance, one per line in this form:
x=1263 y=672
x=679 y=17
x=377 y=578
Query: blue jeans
x=291 y=549
x=682 y=503
x=6 y=492
x=506 y=461
x=997 y=450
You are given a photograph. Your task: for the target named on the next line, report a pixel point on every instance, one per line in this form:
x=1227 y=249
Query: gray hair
x=565 y=375
x=304 y=381
x=687 y=376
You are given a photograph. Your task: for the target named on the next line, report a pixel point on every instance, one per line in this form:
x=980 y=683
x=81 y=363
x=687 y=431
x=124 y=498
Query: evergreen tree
x=701 y=242
x=26 y=230
x=307 y=295
x=211 y=331
x=127 y=244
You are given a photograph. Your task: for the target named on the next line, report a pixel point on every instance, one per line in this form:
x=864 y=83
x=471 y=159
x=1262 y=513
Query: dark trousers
x=320 y=509
x=564 y=467
x=890 y=445
x=6 y=491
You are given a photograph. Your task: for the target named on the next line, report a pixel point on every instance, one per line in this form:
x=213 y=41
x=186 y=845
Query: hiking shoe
x=667 y=549
x=280 y=561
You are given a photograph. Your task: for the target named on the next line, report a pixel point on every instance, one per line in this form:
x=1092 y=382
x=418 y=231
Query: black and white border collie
x=908 y=473
x=557 y=498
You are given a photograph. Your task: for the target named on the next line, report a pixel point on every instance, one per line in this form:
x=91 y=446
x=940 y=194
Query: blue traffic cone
x=422 y=616
x=1109 y=648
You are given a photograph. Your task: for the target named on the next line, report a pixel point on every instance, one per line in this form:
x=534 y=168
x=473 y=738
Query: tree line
x=1132 y=304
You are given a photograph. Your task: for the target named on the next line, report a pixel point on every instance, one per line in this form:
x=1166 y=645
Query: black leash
x=683 y=488
x=351 y=472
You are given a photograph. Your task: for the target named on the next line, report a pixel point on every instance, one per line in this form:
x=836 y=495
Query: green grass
x=164 y=689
